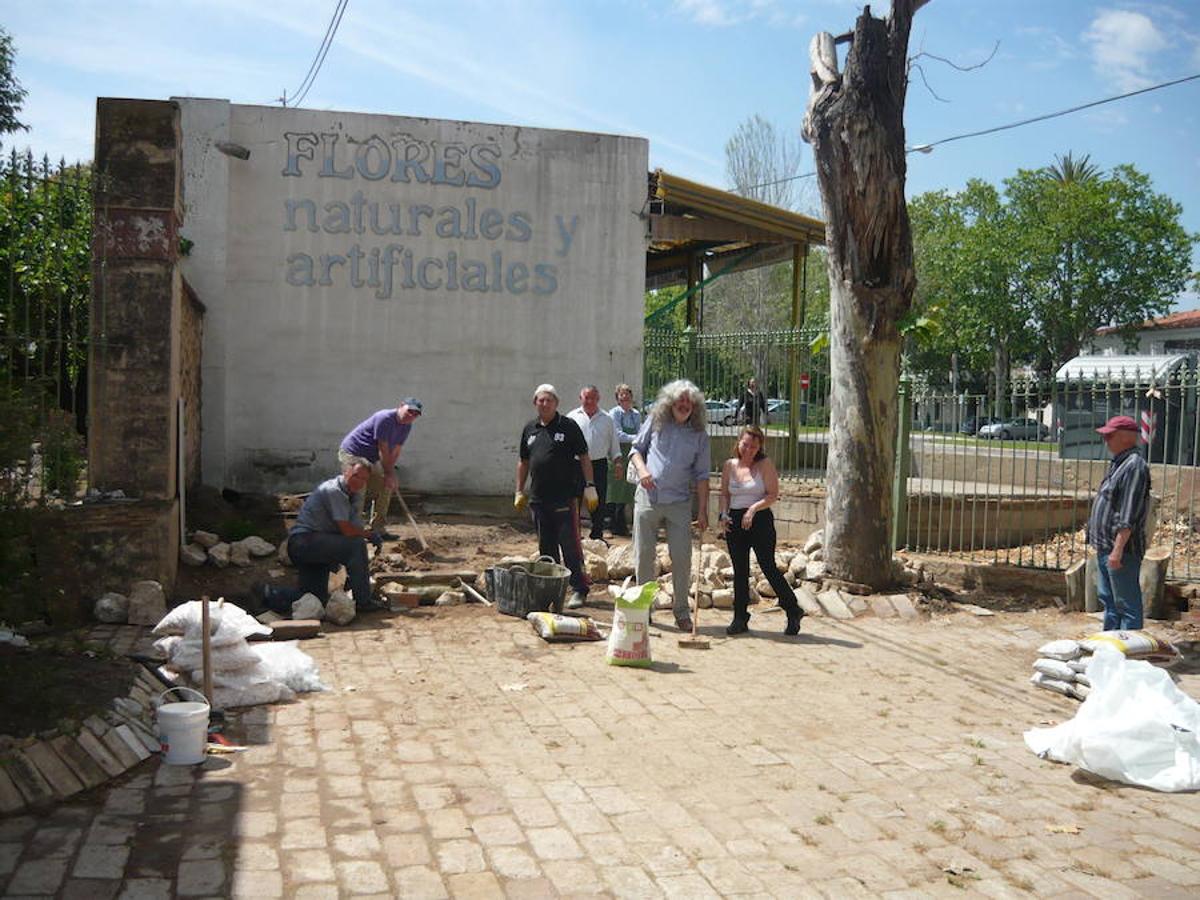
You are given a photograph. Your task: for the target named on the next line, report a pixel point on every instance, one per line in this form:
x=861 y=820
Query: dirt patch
x=57 y=683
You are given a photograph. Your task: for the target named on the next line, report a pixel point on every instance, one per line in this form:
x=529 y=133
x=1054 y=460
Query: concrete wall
x=338 y=278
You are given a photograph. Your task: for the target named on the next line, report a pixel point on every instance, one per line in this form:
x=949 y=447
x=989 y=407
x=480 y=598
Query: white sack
x=1136 y=726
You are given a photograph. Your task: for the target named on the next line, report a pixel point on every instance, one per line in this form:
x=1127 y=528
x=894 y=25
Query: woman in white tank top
x=749 y=485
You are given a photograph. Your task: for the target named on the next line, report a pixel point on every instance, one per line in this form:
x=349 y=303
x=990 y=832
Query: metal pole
x=903 y=465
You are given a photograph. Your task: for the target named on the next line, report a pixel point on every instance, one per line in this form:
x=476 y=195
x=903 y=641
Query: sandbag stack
x=244 y=674
x=1062 y=665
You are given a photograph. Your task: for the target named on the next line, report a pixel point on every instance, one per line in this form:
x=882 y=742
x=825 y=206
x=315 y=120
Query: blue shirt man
x=376 y=441
x=1117 y=524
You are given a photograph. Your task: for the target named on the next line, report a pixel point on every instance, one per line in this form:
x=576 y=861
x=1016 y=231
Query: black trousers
x=760 y=538
x=600 y=476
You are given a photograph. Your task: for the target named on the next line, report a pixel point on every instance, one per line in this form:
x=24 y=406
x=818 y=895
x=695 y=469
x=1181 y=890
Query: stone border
x=40 y=771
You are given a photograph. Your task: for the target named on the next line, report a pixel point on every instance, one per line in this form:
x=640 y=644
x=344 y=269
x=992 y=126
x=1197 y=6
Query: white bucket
x=183 y=729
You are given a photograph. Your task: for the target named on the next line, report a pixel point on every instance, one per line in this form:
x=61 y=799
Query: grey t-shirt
x=329 y=503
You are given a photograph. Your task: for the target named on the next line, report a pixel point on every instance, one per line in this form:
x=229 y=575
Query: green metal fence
x=1005 y=479
x=793 y=381
x=45 y=276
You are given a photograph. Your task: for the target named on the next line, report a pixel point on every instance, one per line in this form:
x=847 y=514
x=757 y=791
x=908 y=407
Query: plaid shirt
x=1121 y=502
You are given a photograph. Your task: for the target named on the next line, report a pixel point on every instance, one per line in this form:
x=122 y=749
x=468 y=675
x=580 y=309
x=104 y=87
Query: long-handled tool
x=694 y=641
x=411 y=521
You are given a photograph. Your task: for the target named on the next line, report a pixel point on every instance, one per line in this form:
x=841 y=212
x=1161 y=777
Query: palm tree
x=1069 y=170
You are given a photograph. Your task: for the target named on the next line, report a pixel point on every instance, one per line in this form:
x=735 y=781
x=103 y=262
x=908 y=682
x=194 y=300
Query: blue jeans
x=1120 y=592
x=557 y=527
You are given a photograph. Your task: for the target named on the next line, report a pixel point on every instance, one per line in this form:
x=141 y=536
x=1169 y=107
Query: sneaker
x=737 y=626
x=388 y=536
x=684 y=624
x=371 y=605
x=576 y=600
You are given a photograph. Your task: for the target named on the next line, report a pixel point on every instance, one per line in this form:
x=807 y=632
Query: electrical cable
x=925 y=148
x=319 y=59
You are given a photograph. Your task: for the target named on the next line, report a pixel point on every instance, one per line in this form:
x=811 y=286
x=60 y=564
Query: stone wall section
x=191 y=339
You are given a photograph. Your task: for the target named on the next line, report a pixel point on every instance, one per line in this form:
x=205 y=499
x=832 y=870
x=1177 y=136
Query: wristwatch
x=589 y=484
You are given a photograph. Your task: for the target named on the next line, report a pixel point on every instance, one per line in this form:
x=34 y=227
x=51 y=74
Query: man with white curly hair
x=671 y=454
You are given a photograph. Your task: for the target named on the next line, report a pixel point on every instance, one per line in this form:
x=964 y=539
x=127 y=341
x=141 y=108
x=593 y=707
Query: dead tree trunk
x=855 y=123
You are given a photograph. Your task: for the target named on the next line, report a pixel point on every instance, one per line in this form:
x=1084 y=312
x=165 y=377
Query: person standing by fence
x=670 y=454
x=600 y=432
x=1117 y=526
x=749 y=485
x=752 y=408
x=628 y=421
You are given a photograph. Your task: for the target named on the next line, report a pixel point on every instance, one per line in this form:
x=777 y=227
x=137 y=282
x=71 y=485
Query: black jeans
x=600 y=476
x=313 y=553
x=760 y=537
x=557 y=527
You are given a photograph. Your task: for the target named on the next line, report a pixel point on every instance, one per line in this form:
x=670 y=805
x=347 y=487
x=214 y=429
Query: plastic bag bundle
x=555 y=628
x=188 y=616
x=629 y=642
x=1136 y=726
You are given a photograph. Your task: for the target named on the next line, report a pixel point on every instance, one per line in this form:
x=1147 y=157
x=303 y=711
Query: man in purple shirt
x=376 y=441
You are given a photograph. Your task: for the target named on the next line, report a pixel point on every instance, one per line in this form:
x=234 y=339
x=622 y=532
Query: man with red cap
x=1117 y=526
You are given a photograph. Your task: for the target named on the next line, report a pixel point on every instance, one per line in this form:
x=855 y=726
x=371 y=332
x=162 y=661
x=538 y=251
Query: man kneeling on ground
x=328 y=533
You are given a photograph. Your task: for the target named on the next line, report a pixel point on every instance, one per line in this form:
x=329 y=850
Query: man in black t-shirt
x=553 y=454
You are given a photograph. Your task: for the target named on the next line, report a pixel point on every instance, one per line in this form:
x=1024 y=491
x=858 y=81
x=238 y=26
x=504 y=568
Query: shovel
x=694 y=641
x=411 y=521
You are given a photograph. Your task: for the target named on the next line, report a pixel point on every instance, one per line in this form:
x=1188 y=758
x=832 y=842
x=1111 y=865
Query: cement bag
x=1131 y=643
x=1054 y=668
x=1135 y=726
x=629 y=642
x=1063 y=650
x=556 y=629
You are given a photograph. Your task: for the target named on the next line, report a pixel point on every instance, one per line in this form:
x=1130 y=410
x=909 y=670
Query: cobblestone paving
x=458 y=755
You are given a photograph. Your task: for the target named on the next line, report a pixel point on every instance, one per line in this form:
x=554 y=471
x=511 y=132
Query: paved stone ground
x=457 y=754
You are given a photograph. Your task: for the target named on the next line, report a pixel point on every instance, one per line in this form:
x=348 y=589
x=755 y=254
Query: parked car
x=721 y=412
x=778 y=410
x=972 y=424
x=1016 y=430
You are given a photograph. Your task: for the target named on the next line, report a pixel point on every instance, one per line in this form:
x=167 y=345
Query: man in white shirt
x=603 y=446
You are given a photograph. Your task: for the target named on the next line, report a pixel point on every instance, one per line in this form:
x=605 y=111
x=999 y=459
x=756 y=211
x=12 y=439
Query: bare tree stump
x=1153 y=581
x=855 y=123
x=1076 y=578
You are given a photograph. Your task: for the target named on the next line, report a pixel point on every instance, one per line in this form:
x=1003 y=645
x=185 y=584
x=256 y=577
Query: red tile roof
x=1188 y=319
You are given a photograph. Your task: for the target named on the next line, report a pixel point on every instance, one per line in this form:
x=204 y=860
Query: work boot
x=738 y=626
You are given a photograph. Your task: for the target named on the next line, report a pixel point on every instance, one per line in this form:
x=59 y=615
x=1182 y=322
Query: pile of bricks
x=43 y=770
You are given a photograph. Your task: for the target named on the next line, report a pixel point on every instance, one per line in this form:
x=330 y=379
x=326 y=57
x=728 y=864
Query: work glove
x=591 y=498
x=520 y=501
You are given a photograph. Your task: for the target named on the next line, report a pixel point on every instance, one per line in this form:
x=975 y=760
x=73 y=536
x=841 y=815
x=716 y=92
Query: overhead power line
x=315 y=68
x=925 y=148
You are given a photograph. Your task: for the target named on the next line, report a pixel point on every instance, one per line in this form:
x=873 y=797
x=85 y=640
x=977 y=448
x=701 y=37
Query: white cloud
x=708 y=12
x=1124 y=45
x=724 y=13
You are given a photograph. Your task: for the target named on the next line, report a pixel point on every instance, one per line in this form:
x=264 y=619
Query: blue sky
x=682 y=73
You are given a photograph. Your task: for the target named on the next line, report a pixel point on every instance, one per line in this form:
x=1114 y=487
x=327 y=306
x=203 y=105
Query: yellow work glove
x=520 y=501
x=591 y=498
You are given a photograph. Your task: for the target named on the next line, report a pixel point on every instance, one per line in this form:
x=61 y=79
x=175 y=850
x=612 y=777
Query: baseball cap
x=545 y=389
x=413 y=403
x=1118 y=423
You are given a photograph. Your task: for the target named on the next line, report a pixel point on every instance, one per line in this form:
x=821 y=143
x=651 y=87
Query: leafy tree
x=967 y=272
x=1094 y=250
x=1030 y=274
x=12 y=95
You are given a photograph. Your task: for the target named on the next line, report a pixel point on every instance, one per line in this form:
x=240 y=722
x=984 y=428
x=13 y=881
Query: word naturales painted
x=403 y=159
